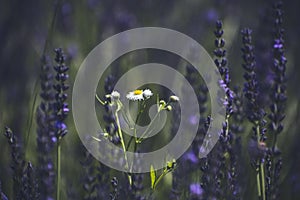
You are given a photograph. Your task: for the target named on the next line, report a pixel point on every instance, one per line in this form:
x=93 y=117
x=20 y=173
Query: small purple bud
x=196 y=189
x=54 y=139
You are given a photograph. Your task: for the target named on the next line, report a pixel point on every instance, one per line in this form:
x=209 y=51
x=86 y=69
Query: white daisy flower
x=115 y=95
x=139 y=95
x=135 y=95
x=147 y=93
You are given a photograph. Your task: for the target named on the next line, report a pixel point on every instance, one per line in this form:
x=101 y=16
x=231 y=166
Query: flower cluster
x=279 y=67
x=51 y=114
x=114 y=194
x=138 y=95
x=220 y=166
x=89 y=181
x=46 y=132
x=17 y=161
x=29 y=183
x=255 y=121
x=277 y=107
x=60 y=106
x=255 y=113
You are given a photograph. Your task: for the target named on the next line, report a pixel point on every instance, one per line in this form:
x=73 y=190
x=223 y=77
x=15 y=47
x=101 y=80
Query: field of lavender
x=254 y=47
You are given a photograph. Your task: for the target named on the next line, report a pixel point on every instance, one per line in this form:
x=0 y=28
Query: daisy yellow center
x=137 y=92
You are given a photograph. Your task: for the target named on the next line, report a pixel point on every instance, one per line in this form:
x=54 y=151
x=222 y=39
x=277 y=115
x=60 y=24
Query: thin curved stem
x=58 y=170
x=99 y=100
x=121 y=136
x=139 y=140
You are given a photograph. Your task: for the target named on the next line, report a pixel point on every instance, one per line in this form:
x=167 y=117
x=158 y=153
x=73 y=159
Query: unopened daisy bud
x=108 y=97
x=105 y=134
x=169 y=108
x=174 y=98
x=162 y=103
x=171 y=164
x=115 y=95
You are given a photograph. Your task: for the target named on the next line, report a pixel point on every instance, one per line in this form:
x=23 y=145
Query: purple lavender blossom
x=196 y=189
x=222 y=158
x=277 y=107
x=29 y=183
x=89 y=180
x=46 y=132
x=17 y=164
x=255 y=113
x=60 y=105
x=2 y=195
x=191 y=157
x=114 y=194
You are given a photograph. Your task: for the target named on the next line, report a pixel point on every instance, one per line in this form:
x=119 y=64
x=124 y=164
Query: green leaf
x=152 y=176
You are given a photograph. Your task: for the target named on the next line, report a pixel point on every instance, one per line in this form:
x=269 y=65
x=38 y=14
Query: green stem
x=121 y=136
x=260 y=171
x=258 y=183
x=99 y=100
x=58 y=170
x=141 y=137
x=128 y=144
x=263 y=181
x=137 y=118
x=122 y=143
x=158 y=180
x=134 y=128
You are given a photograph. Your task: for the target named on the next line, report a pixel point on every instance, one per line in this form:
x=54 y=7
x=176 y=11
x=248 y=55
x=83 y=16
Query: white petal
x=147 y=93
